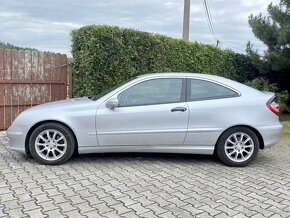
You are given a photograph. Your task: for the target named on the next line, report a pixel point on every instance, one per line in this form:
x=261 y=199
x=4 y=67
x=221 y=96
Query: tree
x=274 y=31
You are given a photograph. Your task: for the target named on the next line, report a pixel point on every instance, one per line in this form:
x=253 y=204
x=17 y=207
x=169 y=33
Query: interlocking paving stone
x=138 y=208
x=145 y=185
x=35 y=213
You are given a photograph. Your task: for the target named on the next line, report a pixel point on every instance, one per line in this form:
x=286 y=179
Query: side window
x=155 y=91
x=201 y=90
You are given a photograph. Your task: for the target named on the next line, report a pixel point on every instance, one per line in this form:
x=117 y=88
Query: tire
x=237 y=147
x=51 y=144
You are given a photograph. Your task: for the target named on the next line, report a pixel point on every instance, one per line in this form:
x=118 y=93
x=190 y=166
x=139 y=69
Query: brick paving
x=145 y=185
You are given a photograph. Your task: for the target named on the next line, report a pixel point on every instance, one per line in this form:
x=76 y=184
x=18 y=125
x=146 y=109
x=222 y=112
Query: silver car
x=165 y=112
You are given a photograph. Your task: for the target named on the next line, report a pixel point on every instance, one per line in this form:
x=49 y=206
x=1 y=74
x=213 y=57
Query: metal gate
x=29 y=78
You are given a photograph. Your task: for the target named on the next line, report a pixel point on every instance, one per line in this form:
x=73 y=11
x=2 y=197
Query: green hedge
x=263 y=84
x=11 y=46
x=105 y=56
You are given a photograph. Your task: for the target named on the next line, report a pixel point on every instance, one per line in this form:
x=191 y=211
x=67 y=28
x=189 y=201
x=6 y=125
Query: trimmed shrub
x=262 y=84
x=105 y=56
x=10 y=46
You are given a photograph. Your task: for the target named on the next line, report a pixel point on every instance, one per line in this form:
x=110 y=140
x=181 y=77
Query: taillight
x=273 y=105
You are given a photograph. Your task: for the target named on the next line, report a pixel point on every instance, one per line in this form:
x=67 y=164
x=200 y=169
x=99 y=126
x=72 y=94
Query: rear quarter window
x=203 y=90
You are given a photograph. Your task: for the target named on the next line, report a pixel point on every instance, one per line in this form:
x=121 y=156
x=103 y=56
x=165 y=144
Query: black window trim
x=183 y=95
x=188 y=91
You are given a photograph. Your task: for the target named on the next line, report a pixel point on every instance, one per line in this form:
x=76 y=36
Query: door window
x=155 y=91
x=202 y=90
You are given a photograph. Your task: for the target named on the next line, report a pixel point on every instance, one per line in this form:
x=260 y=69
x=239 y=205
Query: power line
x=212 y=30
x=209 y=20
x=234 y=47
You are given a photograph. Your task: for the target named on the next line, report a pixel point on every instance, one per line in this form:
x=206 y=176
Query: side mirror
x=112 y=103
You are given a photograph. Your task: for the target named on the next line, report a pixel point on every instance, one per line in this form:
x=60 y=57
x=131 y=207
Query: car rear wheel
x=51 y=144
x=238 y=147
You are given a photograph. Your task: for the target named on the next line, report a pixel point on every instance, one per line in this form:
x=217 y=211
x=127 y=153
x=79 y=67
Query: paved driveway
x=145 y=185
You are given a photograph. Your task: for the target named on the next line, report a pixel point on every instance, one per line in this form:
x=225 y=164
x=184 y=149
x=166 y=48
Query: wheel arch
x=27 y=151
x=261 y=140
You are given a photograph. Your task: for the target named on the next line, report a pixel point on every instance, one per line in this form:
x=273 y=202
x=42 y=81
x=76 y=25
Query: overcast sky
x=46 y=24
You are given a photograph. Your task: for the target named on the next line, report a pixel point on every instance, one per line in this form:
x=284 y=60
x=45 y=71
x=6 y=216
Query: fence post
x=70 y=81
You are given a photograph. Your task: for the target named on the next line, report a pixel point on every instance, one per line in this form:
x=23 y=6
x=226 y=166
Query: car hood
x=59 y=107
x=54 y=110
x=62 y=104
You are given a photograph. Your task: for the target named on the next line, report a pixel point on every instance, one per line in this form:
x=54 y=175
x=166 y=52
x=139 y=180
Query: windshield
x=98 y=96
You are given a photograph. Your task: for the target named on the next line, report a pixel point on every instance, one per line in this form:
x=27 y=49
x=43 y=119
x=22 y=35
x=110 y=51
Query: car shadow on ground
x=170 y=158
x=152 y=157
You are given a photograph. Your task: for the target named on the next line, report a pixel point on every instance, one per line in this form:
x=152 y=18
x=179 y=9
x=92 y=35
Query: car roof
x=182 y=74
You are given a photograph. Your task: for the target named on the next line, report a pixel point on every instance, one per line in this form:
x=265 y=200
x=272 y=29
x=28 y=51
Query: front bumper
x=16 y=141
x=271 y=134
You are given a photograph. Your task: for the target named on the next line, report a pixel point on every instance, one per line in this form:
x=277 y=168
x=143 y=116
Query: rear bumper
x=271 y=134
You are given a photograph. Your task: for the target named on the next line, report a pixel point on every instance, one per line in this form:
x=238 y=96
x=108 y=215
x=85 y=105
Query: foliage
x=10 y=46
x=105 y=56
x=258 y=61
x=263 y=84
x=283 y=97
x=274 y=31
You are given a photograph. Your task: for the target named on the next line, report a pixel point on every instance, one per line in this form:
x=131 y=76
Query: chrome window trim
x=139 y=79
x=210 y=98
x=122 y=88
x=182 y=97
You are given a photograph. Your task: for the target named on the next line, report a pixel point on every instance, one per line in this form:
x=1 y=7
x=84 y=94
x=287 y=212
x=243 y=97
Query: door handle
x=182 y=109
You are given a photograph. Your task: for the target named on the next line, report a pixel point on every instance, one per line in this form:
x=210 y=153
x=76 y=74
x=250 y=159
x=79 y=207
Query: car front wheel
x=238 y=146
x=51 y=144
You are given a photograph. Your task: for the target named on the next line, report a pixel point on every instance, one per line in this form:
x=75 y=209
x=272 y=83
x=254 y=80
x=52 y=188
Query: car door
x=212 y=106
x=150 y=112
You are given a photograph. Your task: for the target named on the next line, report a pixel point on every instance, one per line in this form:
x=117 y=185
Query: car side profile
x=162 y=112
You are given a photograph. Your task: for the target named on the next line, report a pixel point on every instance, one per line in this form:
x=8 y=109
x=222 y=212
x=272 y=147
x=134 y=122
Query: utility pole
x=186 y=18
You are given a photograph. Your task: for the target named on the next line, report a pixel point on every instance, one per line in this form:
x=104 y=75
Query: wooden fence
x=29 y=78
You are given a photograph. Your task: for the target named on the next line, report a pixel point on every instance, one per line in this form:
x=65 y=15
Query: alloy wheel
x=239 y=147
x=50 y=145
